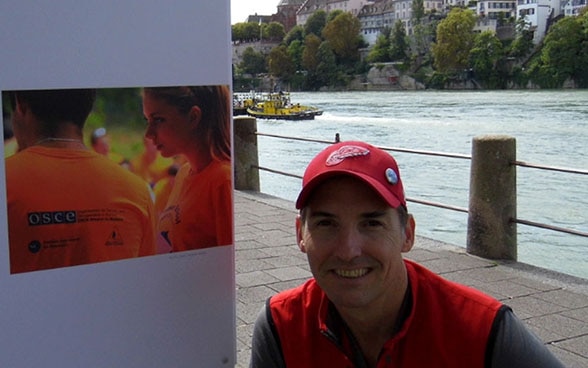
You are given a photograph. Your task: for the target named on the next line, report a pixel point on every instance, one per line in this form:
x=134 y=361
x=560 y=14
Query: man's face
x=354 y=240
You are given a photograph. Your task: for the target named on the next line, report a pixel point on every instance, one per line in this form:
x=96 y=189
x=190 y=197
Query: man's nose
x=349 y=244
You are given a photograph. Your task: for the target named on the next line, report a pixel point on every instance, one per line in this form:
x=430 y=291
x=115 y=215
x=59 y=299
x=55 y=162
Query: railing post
x=492 y=204
x=246 y=154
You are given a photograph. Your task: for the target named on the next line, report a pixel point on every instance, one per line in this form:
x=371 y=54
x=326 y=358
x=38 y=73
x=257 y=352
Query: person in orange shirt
x=68 y=205
x=194 y=122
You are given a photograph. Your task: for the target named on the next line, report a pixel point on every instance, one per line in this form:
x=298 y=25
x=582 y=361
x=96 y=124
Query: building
x=573 y=7
x=496 y=9
x=308 y=7
x=374 y=17
x=286 y=14
x=538 y=14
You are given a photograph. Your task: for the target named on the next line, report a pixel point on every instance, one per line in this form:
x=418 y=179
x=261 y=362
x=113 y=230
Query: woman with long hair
x=193 y=122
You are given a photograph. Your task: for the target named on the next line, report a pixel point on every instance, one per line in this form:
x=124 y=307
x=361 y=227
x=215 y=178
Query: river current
x=550 y=128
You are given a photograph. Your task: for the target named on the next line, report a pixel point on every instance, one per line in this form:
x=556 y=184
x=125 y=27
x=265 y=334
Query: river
x=550 y=127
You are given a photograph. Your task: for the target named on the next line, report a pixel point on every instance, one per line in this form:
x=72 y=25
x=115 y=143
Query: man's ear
x=409 y=234
x=299 y=238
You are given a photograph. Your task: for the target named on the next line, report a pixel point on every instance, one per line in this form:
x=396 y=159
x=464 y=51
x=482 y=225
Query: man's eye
x=323 y=223
x=373 y=223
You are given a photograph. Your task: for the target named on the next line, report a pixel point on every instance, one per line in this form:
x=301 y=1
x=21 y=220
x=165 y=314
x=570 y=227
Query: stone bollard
x=492 y=204
x=245 y=153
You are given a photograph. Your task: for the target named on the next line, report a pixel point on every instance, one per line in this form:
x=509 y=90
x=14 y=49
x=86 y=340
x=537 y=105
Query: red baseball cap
x=375 y=167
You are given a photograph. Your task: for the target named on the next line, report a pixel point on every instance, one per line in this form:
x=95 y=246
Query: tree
x=380 y=53
x=309 y=55
x=333 y=14
x=295 y=34
x=485 y=57
x=342 y=33
x=315 y=23
x=454 y=40
x=295 y=50
x=523 y=42
x=398 y=43
x=245 y=32
x=274 y=31
x=253 y=62
x=280 y=63
x=326 y=70
x=418 y=11
x=563 y=55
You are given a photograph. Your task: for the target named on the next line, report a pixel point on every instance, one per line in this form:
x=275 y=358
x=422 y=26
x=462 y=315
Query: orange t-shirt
x=71 y=207
x=199 y=211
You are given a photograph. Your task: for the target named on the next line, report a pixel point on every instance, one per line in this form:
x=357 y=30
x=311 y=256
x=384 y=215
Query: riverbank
x=267 y=260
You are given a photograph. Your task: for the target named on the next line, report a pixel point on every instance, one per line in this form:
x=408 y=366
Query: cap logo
x=335 y=158
x=391 y=176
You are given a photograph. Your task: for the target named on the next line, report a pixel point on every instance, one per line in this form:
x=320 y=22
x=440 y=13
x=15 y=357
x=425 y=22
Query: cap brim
x=383 y=192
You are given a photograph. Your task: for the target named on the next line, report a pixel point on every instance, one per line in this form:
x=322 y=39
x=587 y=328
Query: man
x=366 y=306
x=68 y=205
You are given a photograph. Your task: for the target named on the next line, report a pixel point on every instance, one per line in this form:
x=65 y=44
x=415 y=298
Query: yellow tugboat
x=278 y=106
x=243 y=101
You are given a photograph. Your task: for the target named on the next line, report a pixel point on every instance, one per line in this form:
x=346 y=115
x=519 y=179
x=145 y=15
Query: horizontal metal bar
x=437 y=204
x=395 y=149
x=277 y=172
x=551 y=227
x=294 y=138
x=429 y=153
x=552 y=168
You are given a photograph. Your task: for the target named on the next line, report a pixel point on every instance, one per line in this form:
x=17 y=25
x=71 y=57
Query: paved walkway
x=553 y=305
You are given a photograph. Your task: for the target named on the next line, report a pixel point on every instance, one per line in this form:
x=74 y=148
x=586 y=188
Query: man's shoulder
x=426 y=283
x=301 y=294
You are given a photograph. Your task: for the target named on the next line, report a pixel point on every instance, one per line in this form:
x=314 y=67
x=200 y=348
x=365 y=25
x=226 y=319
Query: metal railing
x=492 y=216
x=446 y=155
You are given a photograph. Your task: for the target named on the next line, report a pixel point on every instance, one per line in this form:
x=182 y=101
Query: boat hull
x=285 y=116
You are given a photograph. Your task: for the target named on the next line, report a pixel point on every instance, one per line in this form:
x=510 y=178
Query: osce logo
x=52 y=218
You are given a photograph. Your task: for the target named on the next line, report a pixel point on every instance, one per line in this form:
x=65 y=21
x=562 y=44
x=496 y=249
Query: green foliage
x=327 y=66
x=295 y=34
x=342 y=33
x=485 y=59
x=315 y=23
x=523 y=42
x=454 y=40
x=281 y=64
x=274 y=31
x=334 y=14
x=309 y=55
x=398 y=43
x=295 y=50
x=564 y=54
x=438 y=80
x=381 y=51
x=253 y=62
x=325 y=51
x=245 y=32
x=418 y=10
x=116 y=107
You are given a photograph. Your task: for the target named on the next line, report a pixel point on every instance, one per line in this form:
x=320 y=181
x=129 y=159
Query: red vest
x=448 y=326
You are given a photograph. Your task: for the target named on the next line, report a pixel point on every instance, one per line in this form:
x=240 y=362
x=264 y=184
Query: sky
x=241 y=9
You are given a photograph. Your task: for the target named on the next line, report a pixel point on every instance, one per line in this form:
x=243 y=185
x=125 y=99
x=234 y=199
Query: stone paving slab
x=267 y=260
